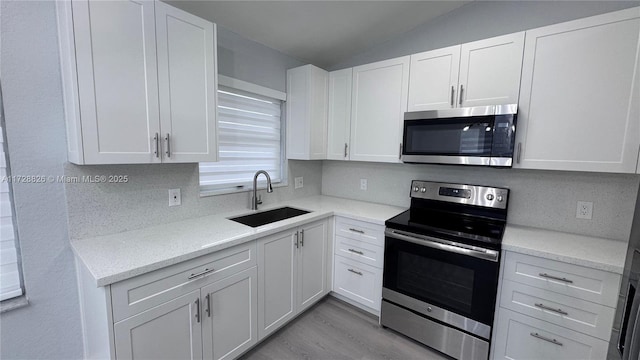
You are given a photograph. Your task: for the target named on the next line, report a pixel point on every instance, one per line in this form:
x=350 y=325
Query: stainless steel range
x=441 y=264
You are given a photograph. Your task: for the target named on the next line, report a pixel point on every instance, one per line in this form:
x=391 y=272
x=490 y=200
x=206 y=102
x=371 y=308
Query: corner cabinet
x=580 y=95
x=293 y=274
x=484 y=72
x=307 y=113
x=379 y=101
x=139 y=82
x=339 y=118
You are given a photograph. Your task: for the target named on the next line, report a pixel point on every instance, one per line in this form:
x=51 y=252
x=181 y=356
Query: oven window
x=442 y=282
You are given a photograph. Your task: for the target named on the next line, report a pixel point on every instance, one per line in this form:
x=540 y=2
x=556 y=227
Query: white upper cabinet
x=339 y=119
x=307 y=113
x=485 y=72
x=379 y=101
x=580 y=97
x=187 y=85
x=490 y=71
x=433 y=79
x=133 y=72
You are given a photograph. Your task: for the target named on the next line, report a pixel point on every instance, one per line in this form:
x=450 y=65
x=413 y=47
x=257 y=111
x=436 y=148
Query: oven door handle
x=480 y=253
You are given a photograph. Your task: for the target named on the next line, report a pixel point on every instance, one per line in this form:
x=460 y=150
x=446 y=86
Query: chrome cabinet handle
x=545 y=275
x=345 y=149
x=208 y=309
x=302 y=237
x=297 y=243
x=168 y=140
x=453 y=94
x=198 y=309
x=553 y=341
x=356 y=251
x=203 y=272
x=355 y=272
x=356 y=230
x=461 y=93
x=156 y=140
x=559 y=311
x=519 y=152
x=400 y=152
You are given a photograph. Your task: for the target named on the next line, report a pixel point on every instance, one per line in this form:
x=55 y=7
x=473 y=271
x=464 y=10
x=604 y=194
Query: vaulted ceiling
x=323 y=33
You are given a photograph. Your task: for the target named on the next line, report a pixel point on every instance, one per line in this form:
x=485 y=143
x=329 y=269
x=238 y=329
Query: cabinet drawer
x=135 y=295
x=360 y=230
x=575 y=314
x=358 y=282
x=522 y=337
x=359 y=250
x=576 y=281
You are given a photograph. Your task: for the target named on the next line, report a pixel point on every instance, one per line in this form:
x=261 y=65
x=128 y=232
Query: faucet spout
x=254 y=200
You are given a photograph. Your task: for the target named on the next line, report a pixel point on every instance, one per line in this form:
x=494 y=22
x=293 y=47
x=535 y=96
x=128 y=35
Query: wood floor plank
x=333 y=329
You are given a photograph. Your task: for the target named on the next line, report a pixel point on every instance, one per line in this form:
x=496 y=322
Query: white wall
x=49 y=327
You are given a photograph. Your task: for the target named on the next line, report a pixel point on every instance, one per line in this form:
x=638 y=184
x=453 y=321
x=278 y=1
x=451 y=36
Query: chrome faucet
x=255 y=200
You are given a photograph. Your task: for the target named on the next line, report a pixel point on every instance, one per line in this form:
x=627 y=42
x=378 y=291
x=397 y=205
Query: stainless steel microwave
x=482 y=135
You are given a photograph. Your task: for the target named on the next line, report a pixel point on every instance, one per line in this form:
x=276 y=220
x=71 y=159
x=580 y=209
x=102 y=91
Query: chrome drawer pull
x=559 y=311
x=356 y=251
x=355 y=272
x=356 y=230
x=205 y=271
x=553 y=341
x=545 y=275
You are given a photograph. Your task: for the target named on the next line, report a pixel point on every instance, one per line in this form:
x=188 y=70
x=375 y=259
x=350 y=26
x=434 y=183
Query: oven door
x=469 y=136
x=462 y=281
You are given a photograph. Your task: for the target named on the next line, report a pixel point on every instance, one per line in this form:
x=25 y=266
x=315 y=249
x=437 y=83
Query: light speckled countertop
x=598 y=253
x=116 y=257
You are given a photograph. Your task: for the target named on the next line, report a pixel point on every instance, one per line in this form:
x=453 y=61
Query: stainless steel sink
x=270 y=216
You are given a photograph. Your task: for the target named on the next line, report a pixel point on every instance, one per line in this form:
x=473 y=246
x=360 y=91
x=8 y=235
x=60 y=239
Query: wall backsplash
x=100 y=208
x=545 y=199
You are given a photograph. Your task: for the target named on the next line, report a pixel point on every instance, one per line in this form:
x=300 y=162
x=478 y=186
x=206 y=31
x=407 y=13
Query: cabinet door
x=379 y=101
x=168 y=331
x=490 y=71
x=312 y=264
x=339 y=114
x=117 y=80
x=276 y=261
x=230 y=314
x=433 y=79
x=521 y=337
x=187 y=85
x=580 y=97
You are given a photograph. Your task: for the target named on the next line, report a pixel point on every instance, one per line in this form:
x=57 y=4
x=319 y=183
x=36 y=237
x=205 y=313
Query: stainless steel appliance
x=482 y=135
x=625 y=337
x=441 y=264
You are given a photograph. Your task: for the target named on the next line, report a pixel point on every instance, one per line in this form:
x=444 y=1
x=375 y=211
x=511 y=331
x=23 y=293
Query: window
x=10 y=284
x=250 y=138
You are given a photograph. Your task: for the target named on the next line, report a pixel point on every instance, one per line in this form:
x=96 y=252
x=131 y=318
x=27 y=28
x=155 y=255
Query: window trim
x=263 y=91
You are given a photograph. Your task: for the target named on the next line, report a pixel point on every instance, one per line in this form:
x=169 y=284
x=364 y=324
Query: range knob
x=416 y=189
x=423 y=190
x=489 y=197
x=499 y=198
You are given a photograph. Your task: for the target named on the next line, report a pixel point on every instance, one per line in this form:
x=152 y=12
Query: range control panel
x=460 y=193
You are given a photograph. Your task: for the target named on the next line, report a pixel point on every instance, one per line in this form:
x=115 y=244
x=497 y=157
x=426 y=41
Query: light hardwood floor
x=333 y=329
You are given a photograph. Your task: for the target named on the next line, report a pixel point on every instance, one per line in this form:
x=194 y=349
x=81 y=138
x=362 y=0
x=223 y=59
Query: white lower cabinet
x=523 y=337
x=553 y=310
x=168 y=331
x=292 y=274
x=357 y=262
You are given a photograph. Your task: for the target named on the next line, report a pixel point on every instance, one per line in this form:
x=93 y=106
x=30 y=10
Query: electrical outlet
x=174 y=197
x=299 y=182
x=584 y=210
x=363 y=184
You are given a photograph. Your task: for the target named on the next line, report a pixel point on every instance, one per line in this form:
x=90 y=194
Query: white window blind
x=249 y=139
x=10 y=286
